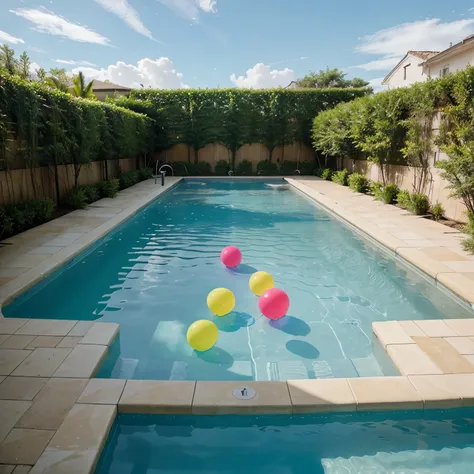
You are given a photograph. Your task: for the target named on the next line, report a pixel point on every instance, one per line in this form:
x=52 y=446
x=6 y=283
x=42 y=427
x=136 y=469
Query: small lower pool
x=153 y=273
x=396 y=442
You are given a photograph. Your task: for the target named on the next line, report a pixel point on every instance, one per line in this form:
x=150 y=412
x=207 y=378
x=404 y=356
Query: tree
x=7 y=59
x=58 y=79
x=41 y=74
x=329 y=78
x=80 y=88
x=23 y=66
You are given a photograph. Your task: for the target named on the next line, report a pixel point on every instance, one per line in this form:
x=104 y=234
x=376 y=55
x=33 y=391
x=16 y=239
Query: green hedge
x=234 y=117
x=52 y=128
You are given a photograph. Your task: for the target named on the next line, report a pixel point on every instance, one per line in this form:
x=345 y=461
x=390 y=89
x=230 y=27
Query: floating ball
x=274 y=303
x=231 y=256
x=202 y=335
x=221 y=301
x=260 y=282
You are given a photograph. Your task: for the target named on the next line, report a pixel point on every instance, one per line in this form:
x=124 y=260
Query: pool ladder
x=162 y=173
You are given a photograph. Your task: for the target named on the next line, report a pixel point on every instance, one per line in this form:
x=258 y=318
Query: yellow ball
x=260 y=282
x=221 y=301
x=202 y=335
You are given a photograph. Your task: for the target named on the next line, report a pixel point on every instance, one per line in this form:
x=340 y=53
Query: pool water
x=153 y=273
x=398 y=442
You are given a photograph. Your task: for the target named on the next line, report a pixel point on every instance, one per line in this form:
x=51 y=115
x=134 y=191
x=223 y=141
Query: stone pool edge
x=445 y=278
x=36 y=273
x=422 y=385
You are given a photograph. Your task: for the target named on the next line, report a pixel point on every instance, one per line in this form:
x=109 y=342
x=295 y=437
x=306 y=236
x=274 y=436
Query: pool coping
x=435 y=359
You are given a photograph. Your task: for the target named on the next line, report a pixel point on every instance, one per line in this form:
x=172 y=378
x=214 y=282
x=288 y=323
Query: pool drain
x=244 y=393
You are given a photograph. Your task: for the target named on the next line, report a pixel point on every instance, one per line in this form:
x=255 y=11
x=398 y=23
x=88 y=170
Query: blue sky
x=225 y=43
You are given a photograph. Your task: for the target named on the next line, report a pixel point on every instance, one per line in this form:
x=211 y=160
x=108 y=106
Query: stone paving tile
x=24 y=446
x=21 y=388
x=10 y=326
x=390 y=332
x=80 y=329
x=54 y=461
x=85 y=428
x=101 y=333
x=17 y=342
x=52 y=404
x=3 y=338
x=157 y=396
x=435 y=391
x=45 y=250
x=444 y=355
x=47 y=327
x=217 y=398
x=411 y=328
x=70 y=341
x=459 y=285
x=102 y=391
x=435 y=328
x=461 y=267
x=462 y=327
x=22 y=469
x=385 y=393
x=464 y=345
x=44 y=341
x=26 y=260
x=82 y=362
x=411 y=360
x=10 y=359
x=462 y=385
x=442 y=254
x=42 y=362
x=470 y=359
x=10 y=412
x=6 y=469
x=430 y=266
x=323 y=395
x=11 y=272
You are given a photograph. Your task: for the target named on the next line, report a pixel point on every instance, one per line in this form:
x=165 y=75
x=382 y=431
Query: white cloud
x=189 y=9
x=209 y=6
x=376 y=84
x=428 y=34
x=263 y=77
x=393 y=43
x=127 y=13
x=159 y=73
x=6 y=38
x=48 y=22
x=74 y=63
x=379 y=65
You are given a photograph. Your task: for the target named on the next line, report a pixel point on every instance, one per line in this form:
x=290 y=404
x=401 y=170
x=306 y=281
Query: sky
x=228 y=43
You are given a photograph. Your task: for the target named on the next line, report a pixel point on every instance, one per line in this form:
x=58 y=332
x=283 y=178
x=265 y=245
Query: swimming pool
x=153 y=273
x=398 y=442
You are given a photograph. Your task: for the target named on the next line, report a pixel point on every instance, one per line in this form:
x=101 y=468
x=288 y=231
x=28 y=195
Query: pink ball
x=274 y=303
x=231 y=256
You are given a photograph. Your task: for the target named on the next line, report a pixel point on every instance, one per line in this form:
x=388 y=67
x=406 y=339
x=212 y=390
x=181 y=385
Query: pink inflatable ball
x=231 y=256
x=274 y=303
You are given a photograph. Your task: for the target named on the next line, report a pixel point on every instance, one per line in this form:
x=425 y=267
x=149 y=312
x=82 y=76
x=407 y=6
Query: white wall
x=414 y=73
x=455 y=63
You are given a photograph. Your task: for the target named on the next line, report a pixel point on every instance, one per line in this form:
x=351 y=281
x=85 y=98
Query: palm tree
x=57 y=83
x=80 y=88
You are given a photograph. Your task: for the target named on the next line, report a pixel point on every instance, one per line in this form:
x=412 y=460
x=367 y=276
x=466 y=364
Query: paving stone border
x=55 y=417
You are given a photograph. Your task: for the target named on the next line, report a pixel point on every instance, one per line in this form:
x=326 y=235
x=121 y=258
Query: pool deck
x=55 y=417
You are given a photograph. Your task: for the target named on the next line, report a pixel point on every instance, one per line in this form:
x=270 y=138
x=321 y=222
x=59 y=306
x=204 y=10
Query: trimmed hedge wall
x=40 y=126
x=234 y=117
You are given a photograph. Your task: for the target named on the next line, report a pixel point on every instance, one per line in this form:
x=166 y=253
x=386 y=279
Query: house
x=103 y=89
x=418 y=66
x=409 y=70
x=453 y=59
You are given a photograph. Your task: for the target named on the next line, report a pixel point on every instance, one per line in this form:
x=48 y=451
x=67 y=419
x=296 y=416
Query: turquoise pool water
x=400 y=442
x=153 y=273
